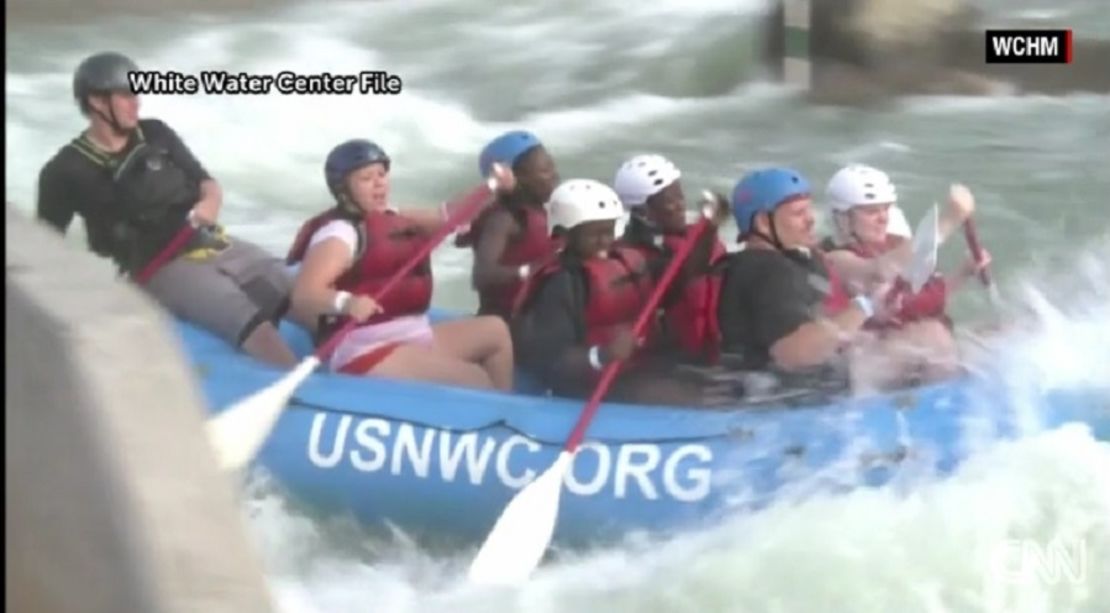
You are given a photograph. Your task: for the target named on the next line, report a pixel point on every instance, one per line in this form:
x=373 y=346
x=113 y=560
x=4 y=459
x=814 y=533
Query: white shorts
x=379 y=340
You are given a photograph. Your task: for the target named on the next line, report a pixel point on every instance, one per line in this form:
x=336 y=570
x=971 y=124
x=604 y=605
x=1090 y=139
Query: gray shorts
x=229 y=293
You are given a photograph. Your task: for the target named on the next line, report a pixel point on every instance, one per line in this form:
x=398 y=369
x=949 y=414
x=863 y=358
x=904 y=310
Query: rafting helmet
x=348 y=157
x=578 y=201
x=643 y=176
x=763 y=191
x=102 y=73
x=506 y=149
x=860 y=185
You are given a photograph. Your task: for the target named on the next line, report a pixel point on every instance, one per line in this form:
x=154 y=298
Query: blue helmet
x=763 y=191
x=506 y=149
x=348 y=157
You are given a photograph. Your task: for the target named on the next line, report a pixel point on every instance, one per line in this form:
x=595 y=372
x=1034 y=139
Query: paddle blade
x=238 y=432
x=926 y=243
x=521 y=535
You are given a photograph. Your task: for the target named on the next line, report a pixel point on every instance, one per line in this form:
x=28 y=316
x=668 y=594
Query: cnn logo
x=1023 y=573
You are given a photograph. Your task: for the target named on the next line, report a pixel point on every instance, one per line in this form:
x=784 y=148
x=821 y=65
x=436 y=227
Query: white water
x=603 y=81
x=938 y=546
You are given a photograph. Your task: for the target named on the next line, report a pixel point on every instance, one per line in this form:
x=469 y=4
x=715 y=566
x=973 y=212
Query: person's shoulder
x=749 y=266
x=65 y=161
x=336 y=227
x=757 y=258
x=153 y=124
x=155 y=129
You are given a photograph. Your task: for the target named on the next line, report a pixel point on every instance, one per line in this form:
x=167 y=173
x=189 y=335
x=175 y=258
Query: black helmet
x=348 y=157
x=101 y=74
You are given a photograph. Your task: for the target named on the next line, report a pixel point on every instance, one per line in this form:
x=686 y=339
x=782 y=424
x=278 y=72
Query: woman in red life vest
x=510 y=239
x=349 y=251
x=871 y=245
x=575 y=314
x=650 y=187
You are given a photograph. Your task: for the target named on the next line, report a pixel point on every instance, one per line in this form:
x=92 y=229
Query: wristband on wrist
x=595 y=358
x=340 y=302
x=864 y=303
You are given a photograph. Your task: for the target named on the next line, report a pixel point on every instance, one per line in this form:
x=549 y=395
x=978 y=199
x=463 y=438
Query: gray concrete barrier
x=114 y=500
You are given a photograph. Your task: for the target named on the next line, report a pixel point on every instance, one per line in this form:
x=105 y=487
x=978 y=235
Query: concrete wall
x=114 y=502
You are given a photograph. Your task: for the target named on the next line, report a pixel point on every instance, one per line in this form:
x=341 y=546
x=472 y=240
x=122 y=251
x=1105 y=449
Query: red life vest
x=836 y=299
x=387 y=241
x=533 y=246
x=692 y=318
x=617 y=288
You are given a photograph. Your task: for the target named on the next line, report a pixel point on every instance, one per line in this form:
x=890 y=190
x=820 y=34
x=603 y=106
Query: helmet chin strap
x=774 y=238
x=347 y=204
x=110 y=118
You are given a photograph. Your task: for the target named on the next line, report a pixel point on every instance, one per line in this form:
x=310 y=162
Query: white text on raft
x=378 y=444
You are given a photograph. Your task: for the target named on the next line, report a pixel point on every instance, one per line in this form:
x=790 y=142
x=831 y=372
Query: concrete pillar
x=114 y=501
x=796 y=68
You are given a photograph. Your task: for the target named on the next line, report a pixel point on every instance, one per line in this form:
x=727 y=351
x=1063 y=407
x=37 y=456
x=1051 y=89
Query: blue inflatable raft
x=442 y=462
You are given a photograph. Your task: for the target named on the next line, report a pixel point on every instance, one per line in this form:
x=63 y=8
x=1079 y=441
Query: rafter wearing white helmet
x=578 y=201
x=856 y=186
x=643 y=176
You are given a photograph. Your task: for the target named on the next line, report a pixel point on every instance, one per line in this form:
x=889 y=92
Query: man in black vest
x=138 y=188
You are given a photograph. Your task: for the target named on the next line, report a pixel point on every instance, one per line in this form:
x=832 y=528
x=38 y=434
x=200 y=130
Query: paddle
x=238 y=432
x=926 y=244
x=176 y=244
x=522 y=533
x=977 y=253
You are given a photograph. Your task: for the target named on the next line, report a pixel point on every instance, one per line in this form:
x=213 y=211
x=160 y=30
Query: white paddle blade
x=521 y=535
x=238 y=432
x=926 y=242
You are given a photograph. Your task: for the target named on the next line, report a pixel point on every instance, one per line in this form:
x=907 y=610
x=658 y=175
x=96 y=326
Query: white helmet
x=577 y=201
x=643 y=176
x=859 y=185
x=896 y=223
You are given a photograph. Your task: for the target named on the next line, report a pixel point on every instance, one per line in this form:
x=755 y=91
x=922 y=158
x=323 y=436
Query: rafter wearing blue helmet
x=510 y=239
x=781 y=307
x=763 y=192
x=349 y=252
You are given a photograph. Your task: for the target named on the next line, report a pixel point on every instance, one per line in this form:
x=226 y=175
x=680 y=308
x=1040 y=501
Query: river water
x=599 y=81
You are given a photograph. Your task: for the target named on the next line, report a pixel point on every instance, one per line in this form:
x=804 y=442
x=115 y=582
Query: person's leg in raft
x=267 y=344
x=934 y=346
x=419 y=362
x=657 y=384
x=924 y=350
x=483 y=341
x=199 y=292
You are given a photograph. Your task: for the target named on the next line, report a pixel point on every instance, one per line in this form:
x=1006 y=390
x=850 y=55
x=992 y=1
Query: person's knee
x=493 y=327
x=265 y=342
x=934 y=336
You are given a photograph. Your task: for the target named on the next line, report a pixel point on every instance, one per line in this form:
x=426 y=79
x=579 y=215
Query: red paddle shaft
x=467 y=207
x=646 y=314
x=976 y=249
